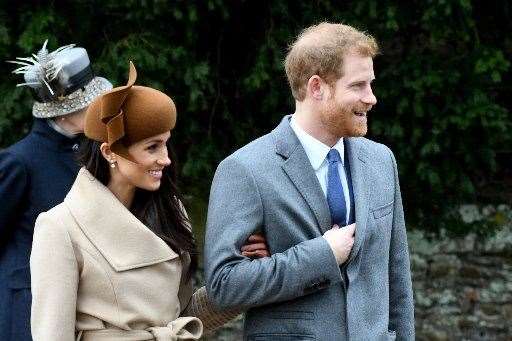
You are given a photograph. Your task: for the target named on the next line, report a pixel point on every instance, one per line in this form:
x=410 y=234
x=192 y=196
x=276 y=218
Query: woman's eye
x=152 y=147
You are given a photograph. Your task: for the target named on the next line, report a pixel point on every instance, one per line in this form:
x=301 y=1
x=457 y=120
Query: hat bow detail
x=112 y=109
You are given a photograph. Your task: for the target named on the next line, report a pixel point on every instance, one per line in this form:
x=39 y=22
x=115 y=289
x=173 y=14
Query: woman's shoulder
x=53 y=222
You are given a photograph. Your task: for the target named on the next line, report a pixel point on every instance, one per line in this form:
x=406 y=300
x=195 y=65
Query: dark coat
x=35 y=175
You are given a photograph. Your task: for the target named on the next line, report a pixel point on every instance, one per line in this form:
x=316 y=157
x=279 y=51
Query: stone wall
x=462 y=286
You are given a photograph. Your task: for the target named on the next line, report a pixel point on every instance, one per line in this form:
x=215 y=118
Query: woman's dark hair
x=161 y=211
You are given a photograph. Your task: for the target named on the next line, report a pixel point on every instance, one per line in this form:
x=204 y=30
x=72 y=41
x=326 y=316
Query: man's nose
x=369 y=98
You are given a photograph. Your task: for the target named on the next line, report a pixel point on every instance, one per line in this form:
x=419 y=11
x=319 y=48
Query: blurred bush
x=443 y=80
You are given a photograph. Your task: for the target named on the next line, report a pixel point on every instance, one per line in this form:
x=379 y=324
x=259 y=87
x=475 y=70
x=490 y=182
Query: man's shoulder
x=373 y=146
x=254 y=153
x=374 y=151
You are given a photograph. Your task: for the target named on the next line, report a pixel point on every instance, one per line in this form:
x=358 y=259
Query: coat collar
x=124 y=241
x=60 y=141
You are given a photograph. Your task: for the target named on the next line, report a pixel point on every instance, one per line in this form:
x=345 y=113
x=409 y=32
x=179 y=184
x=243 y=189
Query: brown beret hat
x=128 y=114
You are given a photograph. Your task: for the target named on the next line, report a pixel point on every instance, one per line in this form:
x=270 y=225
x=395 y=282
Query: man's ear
x=107 y=153
x=314 y=88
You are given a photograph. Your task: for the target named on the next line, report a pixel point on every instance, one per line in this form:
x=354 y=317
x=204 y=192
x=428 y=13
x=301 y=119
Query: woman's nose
x=164 y=159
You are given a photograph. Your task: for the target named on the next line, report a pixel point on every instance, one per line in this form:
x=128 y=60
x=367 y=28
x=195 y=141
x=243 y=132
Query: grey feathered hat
x=61 y=81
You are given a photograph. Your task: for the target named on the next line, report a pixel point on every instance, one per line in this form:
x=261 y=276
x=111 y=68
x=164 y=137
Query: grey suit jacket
x=300 y=293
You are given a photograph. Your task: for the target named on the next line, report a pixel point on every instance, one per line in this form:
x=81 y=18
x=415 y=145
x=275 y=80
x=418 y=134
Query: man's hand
x=255 y=247
x=341 y=240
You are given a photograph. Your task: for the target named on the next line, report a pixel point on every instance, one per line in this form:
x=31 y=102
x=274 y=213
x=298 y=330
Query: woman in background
x=38 y=171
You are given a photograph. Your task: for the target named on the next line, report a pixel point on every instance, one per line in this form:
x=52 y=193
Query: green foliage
x=442 y=78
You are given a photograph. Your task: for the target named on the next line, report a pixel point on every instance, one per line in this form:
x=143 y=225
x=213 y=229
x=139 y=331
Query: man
x=304 y=185
x=38 y=171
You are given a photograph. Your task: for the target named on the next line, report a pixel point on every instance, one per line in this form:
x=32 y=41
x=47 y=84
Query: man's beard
x=341 y=121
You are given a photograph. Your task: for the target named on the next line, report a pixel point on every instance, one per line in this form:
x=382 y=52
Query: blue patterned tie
x=335 y=196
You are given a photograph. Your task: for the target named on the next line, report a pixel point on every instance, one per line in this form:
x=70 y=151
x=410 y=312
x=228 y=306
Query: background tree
x=443 y=80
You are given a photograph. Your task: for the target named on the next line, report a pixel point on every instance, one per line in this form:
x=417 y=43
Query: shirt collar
x=315 y=150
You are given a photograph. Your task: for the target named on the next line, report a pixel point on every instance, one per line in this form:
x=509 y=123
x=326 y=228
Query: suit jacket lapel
x=301 y=173
x=358 y=168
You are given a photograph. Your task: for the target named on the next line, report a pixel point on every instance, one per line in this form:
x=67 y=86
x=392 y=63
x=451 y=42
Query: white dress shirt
x=317 y=155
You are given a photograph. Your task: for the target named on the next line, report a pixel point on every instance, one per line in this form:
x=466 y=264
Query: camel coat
x=98 y=273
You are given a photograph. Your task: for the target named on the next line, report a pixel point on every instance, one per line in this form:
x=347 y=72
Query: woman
x=38 y=171
x=113 y=261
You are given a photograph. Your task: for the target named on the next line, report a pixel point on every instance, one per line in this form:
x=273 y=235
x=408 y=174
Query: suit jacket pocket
x=280 y=337
x=383 y=210
x=265 y=323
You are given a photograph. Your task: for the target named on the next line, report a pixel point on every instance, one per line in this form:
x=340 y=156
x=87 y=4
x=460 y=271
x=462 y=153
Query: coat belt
x=183 y=328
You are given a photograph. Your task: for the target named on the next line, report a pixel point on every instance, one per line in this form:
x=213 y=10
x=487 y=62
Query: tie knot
x=333 y=156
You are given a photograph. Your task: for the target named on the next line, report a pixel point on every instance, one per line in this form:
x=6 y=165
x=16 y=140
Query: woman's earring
x=112 y=163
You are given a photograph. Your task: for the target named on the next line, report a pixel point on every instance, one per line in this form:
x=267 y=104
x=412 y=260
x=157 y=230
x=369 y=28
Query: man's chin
x=360 y=132
x=356 y=132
